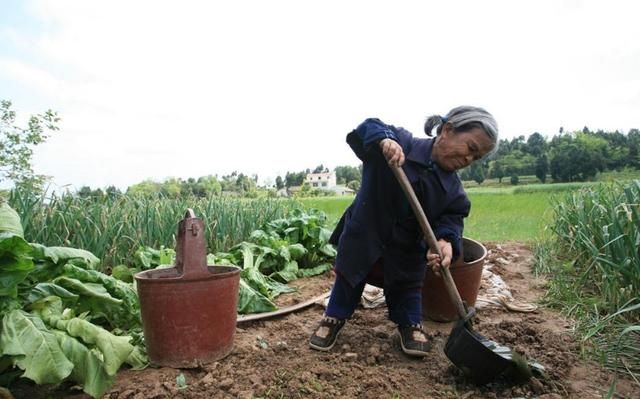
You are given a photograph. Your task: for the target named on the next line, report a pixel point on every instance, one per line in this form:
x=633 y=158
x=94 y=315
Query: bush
x=514 y=180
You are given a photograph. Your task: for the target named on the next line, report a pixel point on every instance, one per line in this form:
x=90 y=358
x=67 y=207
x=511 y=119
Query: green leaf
x=297 y=251
x=144 y=257
x=314 y=271
x=167 y=256
x=181 y=381
x=15 y=263
x=284 y=254
x=61 y=255
x=88 y=370
x=289 y=273
x=328 y=250
x=114 y=350
x=89 y=290
x=34 y=348
x=137 y=359
x=122 y=273
x=43 y=290
x=129 y=311
x=251 y=301
x=10 y=220
x=149 y=258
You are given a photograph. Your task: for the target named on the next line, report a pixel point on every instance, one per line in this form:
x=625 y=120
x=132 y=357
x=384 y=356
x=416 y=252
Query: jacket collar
x=420 y=153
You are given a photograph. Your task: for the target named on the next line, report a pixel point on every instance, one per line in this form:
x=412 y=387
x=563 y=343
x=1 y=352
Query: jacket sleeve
x=450 y=224
x=368 y=134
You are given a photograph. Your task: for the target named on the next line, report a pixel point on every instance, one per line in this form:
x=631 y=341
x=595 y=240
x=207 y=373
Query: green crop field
x=513 y=213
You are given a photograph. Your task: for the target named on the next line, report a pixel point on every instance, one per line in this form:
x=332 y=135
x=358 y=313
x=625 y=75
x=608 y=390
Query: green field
x=508 y=217
x=496 y=214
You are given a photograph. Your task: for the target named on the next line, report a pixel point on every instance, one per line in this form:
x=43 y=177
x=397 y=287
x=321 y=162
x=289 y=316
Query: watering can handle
x=191 y=253
x=430 y=238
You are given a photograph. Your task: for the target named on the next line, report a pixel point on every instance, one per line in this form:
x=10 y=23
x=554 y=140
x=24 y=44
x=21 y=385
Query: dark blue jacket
x=380 y=223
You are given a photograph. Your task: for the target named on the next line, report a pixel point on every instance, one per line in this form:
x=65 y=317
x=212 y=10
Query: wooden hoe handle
x=430 y=238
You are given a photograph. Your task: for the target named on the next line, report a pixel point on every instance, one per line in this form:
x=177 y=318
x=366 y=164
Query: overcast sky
x=152 y=89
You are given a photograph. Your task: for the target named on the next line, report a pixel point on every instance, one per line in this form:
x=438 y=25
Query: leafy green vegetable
x=122 y=273
x=10 y=220
x=149 y=258
x=89 y=369
x=64 y=255
x=15 y=263
x=251 y=301
x=314 y=271
x=34 y=348
x=41 y=291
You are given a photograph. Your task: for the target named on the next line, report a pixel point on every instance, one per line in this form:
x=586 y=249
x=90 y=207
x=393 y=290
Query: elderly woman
x=379 y=228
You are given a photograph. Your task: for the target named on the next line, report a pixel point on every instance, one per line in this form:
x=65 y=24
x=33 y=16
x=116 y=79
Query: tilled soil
x=272 y=359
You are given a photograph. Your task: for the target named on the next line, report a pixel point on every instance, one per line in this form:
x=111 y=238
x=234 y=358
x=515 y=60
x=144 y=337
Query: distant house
x=342 y=190
x=321 y=180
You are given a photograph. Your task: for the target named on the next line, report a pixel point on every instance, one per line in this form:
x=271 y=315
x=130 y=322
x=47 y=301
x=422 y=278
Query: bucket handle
x=191 y=249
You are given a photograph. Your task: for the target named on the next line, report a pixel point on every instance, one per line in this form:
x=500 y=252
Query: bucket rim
x=485 y=252
x=144 y=276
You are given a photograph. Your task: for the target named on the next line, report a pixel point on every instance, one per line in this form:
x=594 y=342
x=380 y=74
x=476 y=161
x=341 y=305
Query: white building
x=321 y=180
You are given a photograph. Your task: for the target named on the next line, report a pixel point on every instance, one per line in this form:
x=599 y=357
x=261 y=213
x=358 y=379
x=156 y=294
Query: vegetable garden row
x=64 y=319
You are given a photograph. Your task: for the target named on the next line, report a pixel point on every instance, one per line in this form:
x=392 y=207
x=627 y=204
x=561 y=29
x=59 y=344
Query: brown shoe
x=325 y=336
x=414 y=341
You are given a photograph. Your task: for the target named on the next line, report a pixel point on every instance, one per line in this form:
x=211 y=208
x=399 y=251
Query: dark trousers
x=404 y=304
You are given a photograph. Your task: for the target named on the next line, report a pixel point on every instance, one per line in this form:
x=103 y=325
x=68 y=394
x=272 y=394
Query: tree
x=112 y=192
x=345 y=174
x=171 y=188
x=474 y=172
x=497 y=170
x=17 y=143
x=354 y=185
x=320 y=169
x=207 y=186
x=536 y=145
x=577 y=158
x=294 y=179
x=542 y=168
x=279 y=183
x=633 y=159
x=84 y=192
x=518 y=163
x=147 y=188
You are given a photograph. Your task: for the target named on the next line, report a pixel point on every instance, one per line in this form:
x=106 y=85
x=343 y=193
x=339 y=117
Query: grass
x=495 y=215
x=334 y=207
x=508 y=217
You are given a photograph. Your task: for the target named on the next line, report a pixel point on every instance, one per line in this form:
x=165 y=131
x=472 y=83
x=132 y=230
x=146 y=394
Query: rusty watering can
x=189 y=310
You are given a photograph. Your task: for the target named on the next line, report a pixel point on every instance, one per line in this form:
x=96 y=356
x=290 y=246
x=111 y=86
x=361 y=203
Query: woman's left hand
x=434 y=261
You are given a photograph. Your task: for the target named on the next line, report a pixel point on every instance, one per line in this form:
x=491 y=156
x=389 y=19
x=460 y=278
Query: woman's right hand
x=392 y=152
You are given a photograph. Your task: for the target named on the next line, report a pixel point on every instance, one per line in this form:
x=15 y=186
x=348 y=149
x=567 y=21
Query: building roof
x=325 y=175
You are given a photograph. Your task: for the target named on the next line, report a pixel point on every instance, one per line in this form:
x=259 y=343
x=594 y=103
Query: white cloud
x=156 y=89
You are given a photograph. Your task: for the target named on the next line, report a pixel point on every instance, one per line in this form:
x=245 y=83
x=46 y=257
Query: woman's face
x=453 y=151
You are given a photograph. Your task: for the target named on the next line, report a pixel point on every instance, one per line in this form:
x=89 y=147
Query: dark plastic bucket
x=189 y=310
x=467 y=274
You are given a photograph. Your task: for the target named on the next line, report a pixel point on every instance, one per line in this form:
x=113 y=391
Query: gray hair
x=464 y=118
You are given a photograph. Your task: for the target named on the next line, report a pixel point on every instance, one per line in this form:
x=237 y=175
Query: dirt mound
x=272 y=359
